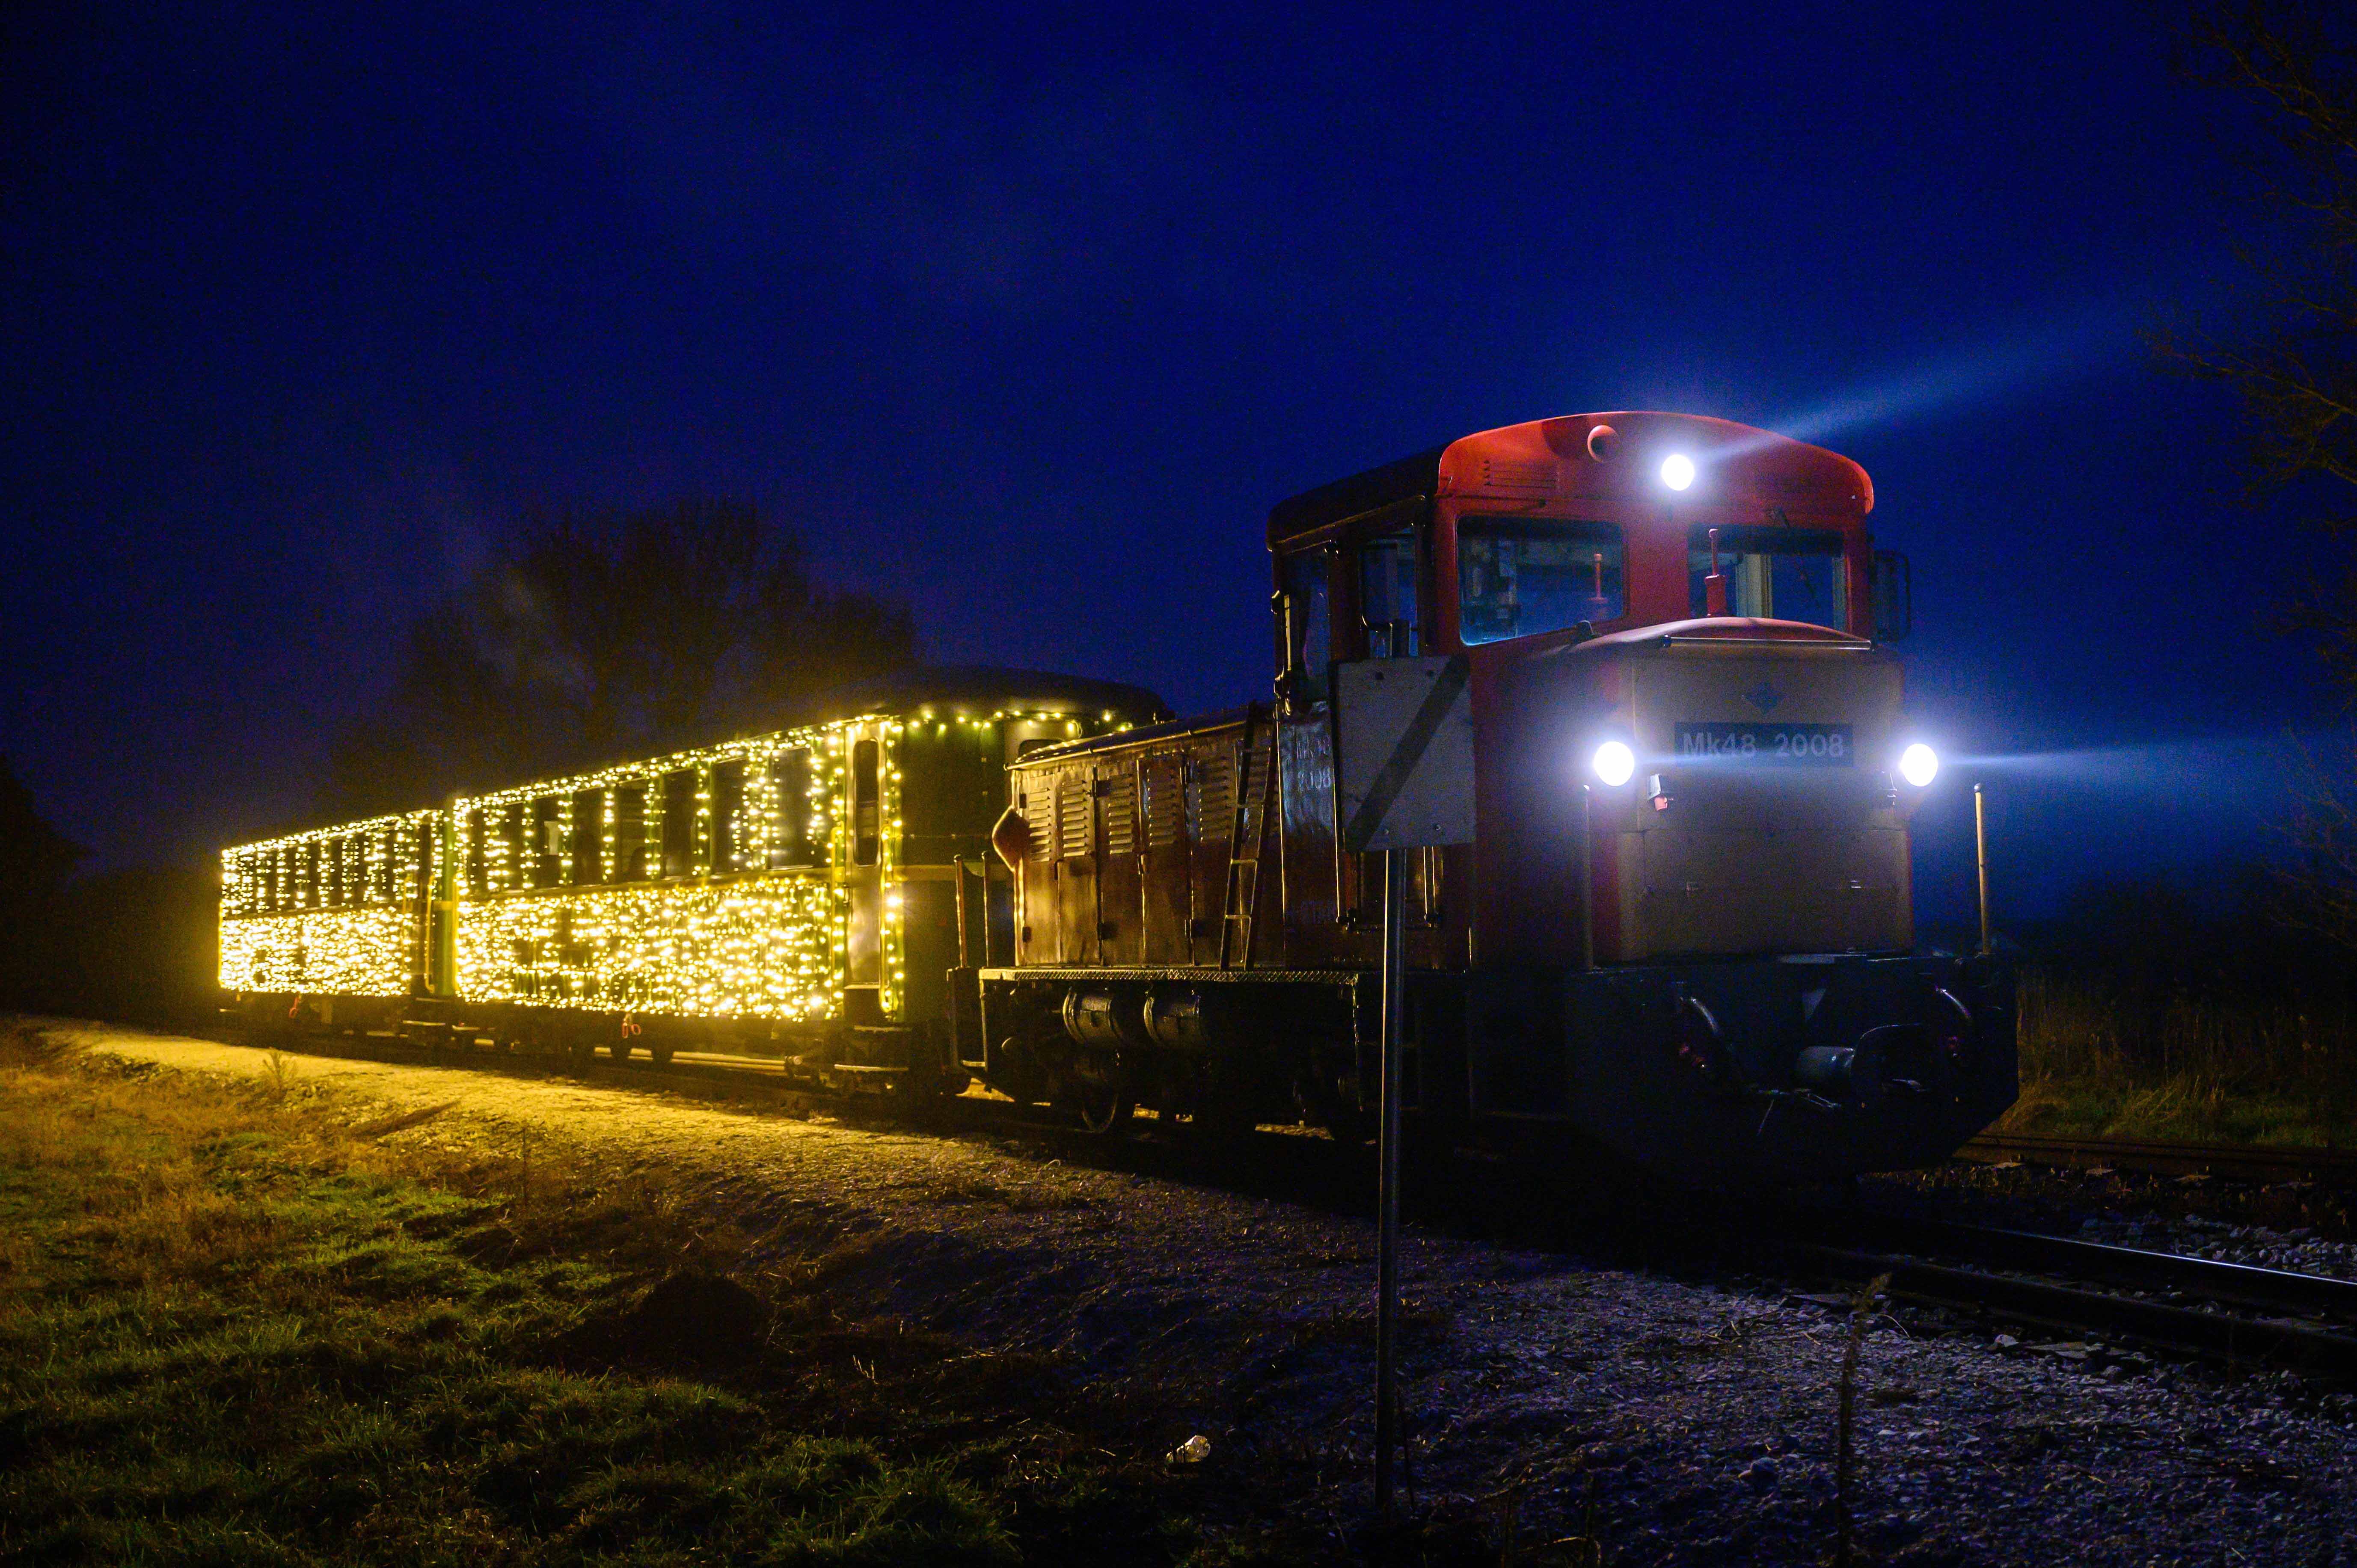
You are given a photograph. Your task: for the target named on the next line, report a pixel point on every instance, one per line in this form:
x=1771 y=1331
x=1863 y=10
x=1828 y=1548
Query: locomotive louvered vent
x=1165 y=804
x=1498 y=474
x=1072 y=803
x=1218 y=798
x=1039 y=816
x=1120 y=812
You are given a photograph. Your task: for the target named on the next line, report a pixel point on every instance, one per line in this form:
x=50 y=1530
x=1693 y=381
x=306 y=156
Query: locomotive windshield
x=1517 y=576
x=1783 y=573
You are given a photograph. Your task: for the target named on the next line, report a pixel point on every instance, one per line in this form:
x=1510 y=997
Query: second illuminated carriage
x=1685 y=929
x=804 y=894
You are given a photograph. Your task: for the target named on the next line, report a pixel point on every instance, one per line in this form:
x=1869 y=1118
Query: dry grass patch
x=239 y=1324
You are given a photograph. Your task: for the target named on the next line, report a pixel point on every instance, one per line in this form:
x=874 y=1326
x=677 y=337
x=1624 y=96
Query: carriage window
x=630 y=833
x=1782 y=574
x=728 y=817
x=1387 y=596
x=679 y=823
x=1306 y=577
x=310 y=885
x=867 y=805
x=547 y=851
x=335 y=873
x=478 y=858
x=387 y=858
x=512 y=844
x=588 y=846
x=1518 y=577
x=791 y=825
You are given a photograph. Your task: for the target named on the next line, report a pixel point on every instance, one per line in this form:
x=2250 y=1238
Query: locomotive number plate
x=1803 y=746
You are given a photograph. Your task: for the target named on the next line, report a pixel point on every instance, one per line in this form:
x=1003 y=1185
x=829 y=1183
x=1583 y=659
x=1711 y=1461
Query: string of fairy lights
x=330 y=912
x=757 y=938
x=745 y=910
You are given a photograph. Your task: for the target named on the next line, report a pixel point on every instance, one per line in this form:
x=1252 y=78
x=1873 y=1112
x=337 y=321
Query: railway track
x=2237 y=1162
x=2243 y=1316
x=2236 y=1313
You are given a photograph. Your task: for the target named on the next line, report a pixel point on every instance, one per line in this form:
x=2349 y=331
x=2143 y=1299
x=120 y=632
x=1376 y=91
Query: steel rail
x=2246 y=1286
x=2069 y=1309
x=2240 y=1162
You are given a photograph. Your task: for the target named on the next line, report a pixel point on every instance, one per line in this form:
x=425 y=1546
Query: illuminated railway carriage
x=805 y=895
x=1684 y=932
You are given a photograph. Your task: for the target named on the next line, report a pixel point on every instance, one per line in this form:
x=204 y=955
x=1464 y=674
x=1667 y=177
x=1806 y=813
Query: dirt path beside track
x=1678 y=1420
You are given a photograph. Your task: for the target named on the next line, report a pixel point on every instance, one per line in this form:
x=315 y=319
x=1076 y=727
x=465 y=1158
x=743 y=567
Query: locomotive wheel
x=1099 y=1092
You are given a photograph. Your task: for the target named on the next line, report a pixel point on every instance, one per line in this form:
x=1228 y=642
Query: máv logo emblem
x=1764 y=697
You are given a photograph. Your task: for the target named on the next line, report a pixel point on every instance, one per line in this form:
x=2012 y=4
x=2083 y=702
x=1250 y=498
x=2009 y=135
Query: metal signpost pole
x=1980 y=859
x=1404 y=782
x=1394 y=976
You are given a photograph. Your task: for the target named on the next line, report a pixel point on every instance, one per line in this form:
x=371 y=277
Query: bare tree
x=2297 y=64
x=35 y=862
x=607 y=634
x=2297 y=384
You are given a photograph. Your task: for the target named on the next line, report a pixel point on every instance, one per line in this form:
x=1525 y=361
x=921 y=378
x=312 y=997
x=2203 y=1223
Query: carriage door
x=862 y=875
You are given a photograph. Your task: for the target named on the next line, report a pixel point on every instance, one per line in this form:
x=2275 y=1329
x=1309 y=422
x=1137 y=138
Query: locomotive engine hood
x=1763 y=813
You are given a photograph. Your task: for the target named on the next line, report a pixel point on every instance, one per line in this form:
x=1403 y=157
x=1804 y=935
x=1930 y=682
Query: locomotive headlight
x=1919 y=764
x=1677 y=470
x=1614 y=763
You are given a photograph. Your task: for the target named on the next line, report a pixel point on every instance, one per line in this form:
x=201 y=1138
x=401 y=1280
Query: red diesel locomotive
x=1683 y=932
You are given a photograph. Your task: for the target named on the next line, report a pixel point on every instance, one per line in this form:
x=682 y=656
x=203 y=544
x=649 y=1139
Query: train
x=1681 y=936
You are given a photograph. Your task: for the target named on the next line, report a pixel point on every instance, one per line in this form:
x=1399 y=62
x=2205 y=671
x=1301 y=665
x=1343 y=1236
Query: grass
x=2182 y=1067
x=239 y=1326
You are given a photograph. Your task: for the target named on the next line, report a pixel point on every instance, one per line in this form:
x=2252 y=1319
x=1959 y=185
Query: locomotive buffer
x=1404 y=772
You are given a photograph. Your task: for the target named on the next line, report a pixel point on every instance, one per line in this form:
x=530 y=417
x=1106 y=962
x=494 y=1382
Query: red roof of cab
x=1734 y=463
x=1546 y=458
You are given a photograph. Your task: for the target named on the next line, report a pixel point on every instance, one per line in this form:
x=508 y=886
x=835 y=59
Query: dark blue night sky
x=1028 y=317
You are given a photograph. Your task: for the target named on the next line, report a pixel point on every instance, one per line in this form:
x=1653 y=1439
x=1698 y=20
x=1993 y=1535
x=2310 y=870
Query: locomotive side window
x=1387 y=596
x=1517 y=576
x=1783 y=573
x=630 y=833
x=728 y=817
x=866 y=802
x=1306 y=586
x=789 y=825
x=679 y=823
